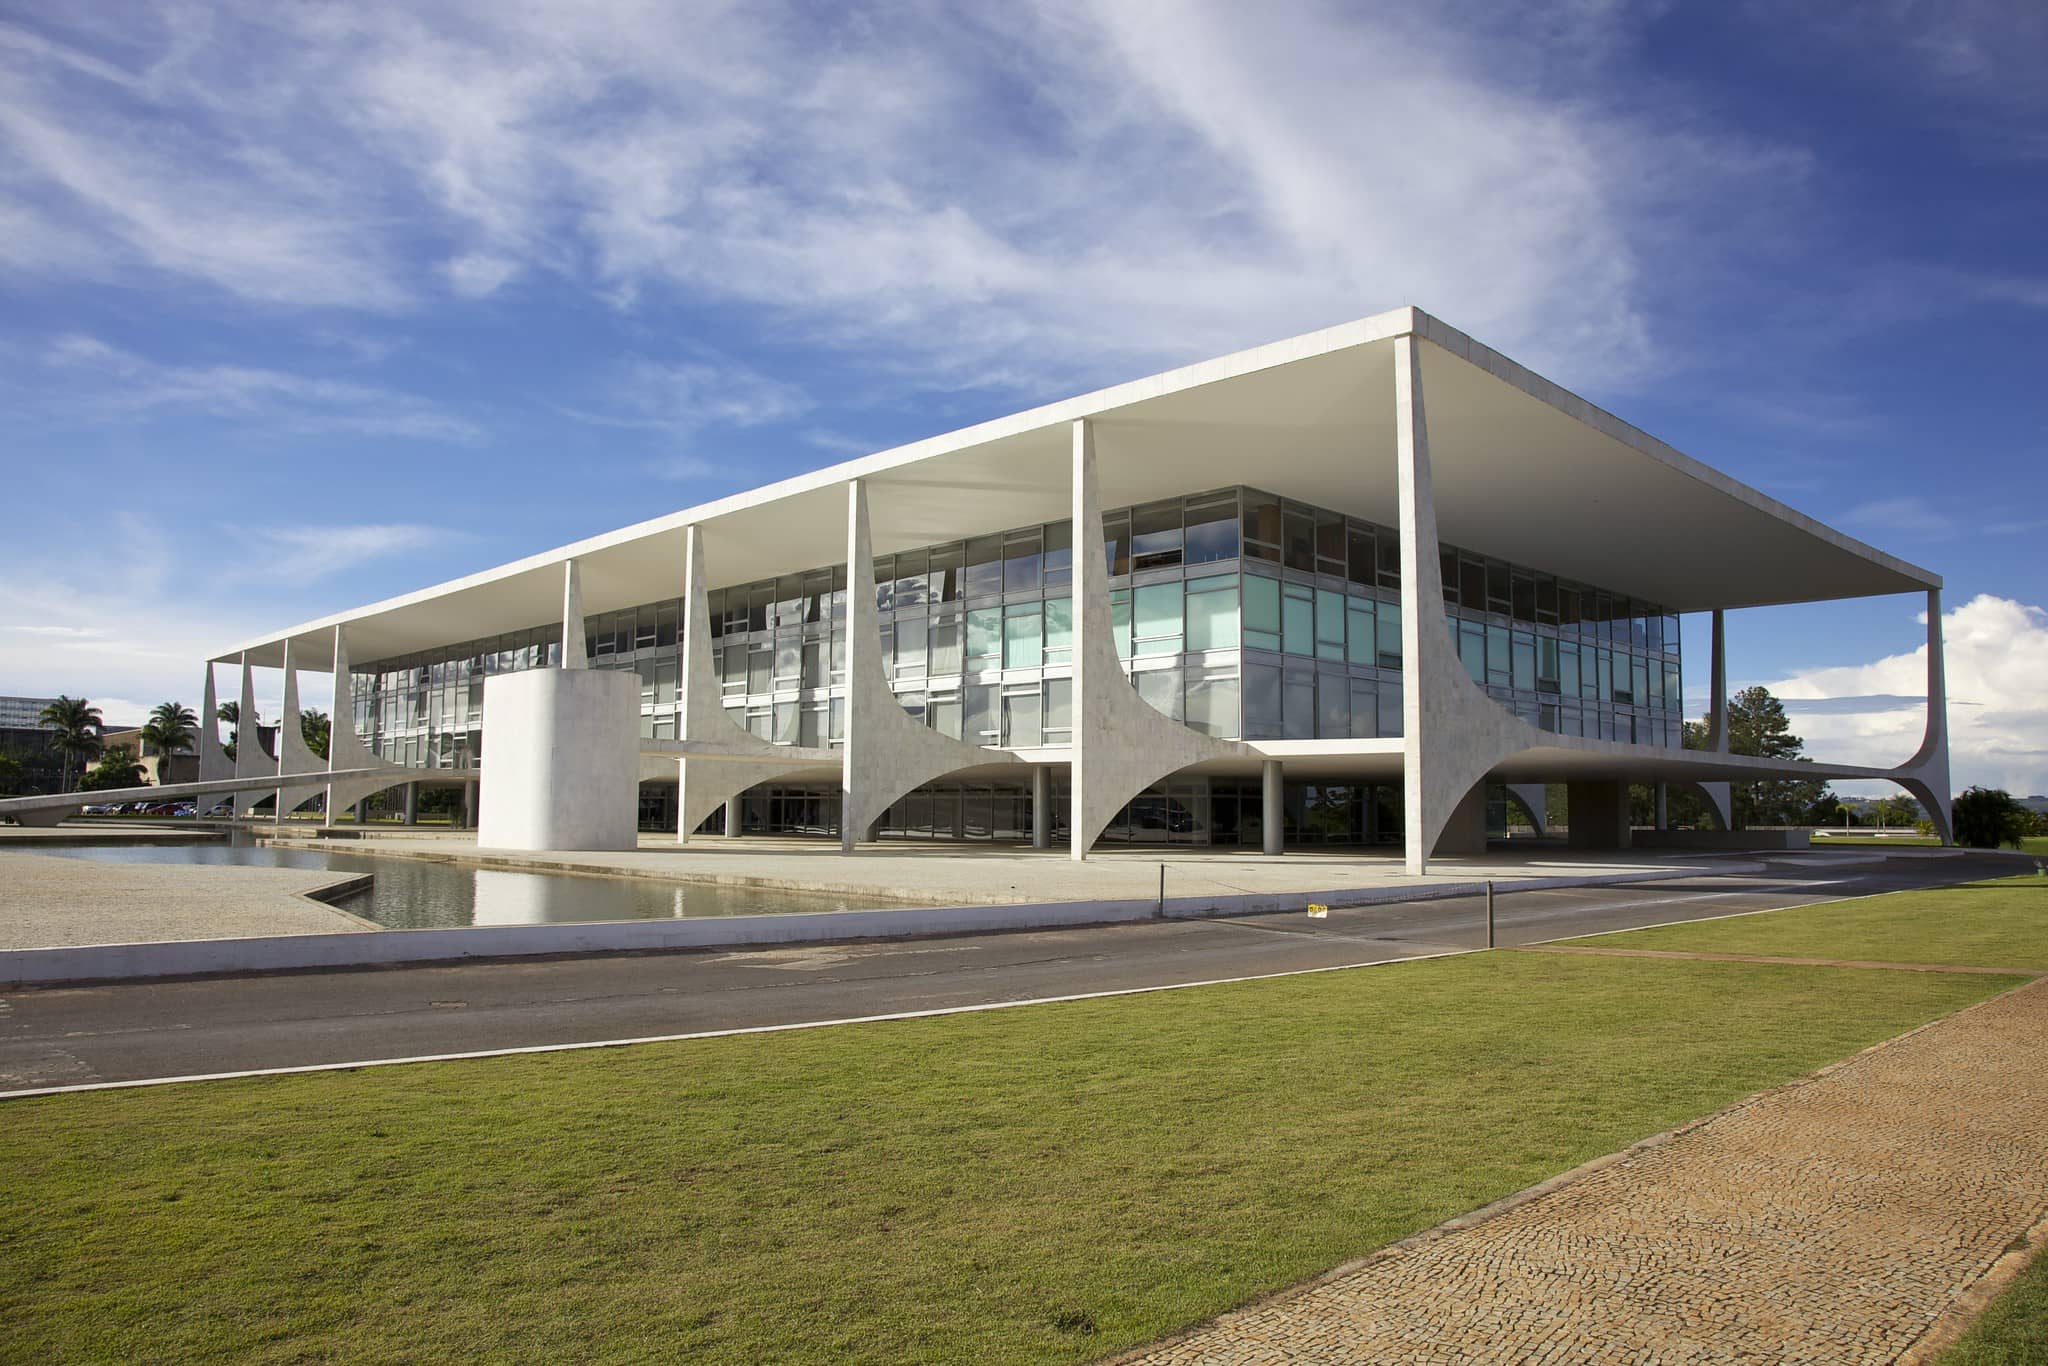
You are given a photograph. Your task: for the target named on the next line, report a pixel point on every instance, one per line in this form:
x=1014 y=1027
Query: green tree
x=231 y=712
x=10 y=774
x=1986 y=817
x=317 y=730
x=78 y=725
x=1757 y=725
x=171 y=729
x=118 y=767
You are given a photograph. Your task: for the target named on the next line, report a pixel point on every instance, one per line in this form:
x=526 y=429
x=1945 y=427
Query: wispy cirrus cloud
x=122 y=383
x=312 y=550
x=945 y=195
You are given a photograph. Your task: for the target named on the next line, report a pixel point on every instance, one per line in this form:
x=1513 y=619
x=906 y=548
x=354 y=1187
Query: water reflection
x=410 y=894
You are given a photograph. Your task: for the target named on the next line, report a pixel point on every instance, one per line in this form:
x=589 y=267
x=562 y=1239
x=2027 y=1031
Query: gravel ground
x=50 y=902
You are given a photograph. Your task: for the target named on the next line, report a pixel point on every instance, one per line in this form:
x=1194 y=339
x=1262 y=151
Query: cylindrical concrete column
x=1272 y=823
x=469 y=806
x=1663 y=806
x=1041 y=807
x=412 y=803
x=732 y=819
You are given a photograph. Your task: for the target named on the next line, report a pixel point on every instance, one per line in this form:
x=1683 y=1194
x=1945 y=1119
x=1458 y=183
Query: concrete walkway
x=1833 y=1220
x=52 y=902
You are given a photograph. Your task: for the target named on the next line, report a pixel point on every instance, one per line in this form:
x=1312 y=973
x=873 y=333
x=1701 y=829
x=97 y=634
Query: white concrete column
x=1041 y=806
x=293 y=755
x=251 y=761
x=1717 y=715
x=469 y=806
x=1122 y=744
x=732 y=818
x=1452 y=734
x=885 y=753
x=1272 y=808
x=575 y=644
x=1926 y=774
x=345 y=748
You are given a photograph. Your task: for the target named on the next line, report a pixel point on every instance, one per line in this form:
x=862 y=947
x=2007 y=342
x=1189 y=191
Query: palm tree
x=77 y=724
x=171 y=728
x=231 y=712
x=317 y=729
x=116 y=768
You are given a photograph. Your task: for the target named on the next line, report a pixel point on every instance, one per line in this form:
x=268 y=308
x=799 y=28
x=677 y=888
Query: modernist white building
x=1331 y=589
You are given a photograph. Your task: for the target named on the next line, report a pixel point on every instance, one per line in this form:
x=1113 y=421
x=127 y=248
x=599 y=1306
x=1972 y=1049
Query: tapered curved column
x=730 y=760
x=293 y=757
x=1452 y=734
x=1926 y=774
x=1719 y=796
x=214 y=764
x=1122 y=743
x=886 y=753
x=1532 y=798
x=251 y=761
x=345 y=748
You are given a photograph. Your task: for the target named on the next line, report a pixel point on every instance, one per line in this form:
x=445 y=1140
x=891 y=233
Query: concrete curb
x=384 y=948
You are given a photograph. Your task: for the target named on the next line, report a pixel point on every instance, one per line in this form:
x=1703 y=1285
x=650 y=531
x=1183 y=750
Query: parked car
x=100 y=809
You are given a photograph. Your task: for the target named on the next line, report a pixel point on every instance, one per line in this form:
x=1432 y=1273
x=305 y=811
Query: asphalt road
x=125 y=1032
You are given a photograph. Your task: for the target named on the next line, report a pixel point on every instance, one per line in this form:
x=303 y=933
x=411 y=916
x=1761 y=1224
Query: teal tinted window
x=1212 y=611
x=1261 y=613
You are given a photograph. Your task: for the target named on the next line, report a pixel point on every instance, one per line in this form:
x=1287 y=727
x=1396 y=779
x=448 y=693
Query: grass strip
x=2002 y=923
x=2014 y=1330
x=1041 y=1184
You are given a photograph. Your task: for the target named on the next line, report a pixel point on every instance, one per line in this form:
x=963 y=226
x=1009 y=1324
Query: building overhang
x=1523 y=470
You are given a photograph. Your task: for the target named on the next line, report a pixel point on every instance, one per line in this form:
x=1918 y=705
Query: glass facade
x=1237 y=612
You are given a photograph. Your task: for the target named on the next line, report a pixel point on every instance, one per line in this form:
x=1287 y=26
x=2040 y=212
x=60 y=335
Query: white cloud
x=1996 y=656
x=124 y=384
x=312 y=551
x=966 y=197
x=684 y=396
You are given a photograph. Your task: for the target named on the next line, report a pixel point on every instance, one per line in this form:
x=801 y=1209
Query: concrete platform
x=950 y=874
x=51 y=902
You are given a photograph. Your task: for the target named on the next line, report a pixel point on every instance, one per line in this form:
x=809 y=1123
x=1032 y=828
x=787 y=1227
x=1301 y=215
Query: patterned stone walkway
x=1833 y=1220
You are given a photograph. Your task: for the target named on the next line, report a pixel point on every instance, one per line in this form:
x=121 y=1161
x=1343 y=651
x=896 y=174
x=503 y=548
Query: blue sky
x=297 y=301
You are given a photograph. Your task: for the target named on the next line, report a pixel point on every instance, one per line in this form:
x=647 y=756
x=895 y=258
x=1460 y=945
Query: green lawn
x=2032 y=844
x=1997 y=924
x=2014 y=1331
x=1049 y=1183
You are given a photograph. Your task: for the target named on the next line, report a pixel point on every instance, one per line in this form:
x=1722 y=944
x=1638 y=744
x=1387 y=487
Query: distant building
x=2037 y=804
x=22 y=728
x=158 y=769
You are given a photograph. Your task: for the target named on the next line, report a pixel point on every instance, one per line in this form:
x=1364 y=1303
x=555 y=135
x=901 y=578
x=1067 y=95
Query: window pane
x=1298 y=705
x=1390 y=709
x=1022 y=716
x=1059 y=626
x=978 y=713
x=1161 y=688
x=1329 y=624
x=1212 y=612
x=1020 y=563
x=1333 y=706
x=1116 y=544
x=1261 y=612
x=1261 y=525
x=1212 y=531
x=1059 y=704
x=944 y=635
x=1297 y=617
x=1358 y=554
x=1390 y=647
x=1360 y=631
x=1120 y=621
x=1525 y=661
x=1212 y=706
x=1156 y=536
x=1568 y=668
x=1261 y=702
x=945 y=579
x=1023 y=626
x=1364 y=709
x=785 y=723
x=942 y=714
x=1499 y=663
x=1158 y=619
x=1059 y=555
x=984 y=637
x=984 y=566
x=1472 y=650
x=1329 y=543
x=1299 y=551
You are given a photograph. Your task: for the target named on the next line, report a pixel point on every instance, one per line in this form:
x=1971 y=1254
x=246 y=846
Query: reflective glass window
x=984 y=638
x=1299 y=549
x=1212 y=530
x=1298 y=704
x=1297 y=619
x=1116 y=544
x=1390 y=708
x=1161 y=690
x=1120 y=621
x=1329 y=543
x=979 y=717
x=1059 y=629
x=1365 y=705
x=1525 y=661
x=1359 y=554
x=1021 y=562
x=1157 y=619
x=1472 y=650
x=1156 y=536
x=1212 y=705
x=1359 y=632
x=1329 y=624
x=984 y=566
x=1390 y=647
x=1059 y=708
x=1023 y=718
x=1023 y=636
x=1212 y=612
x=1261 y=612
x=1261 y=702
x=1333 y=706
x=1059 y=555
x=1261 y=525
x=944 y=637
